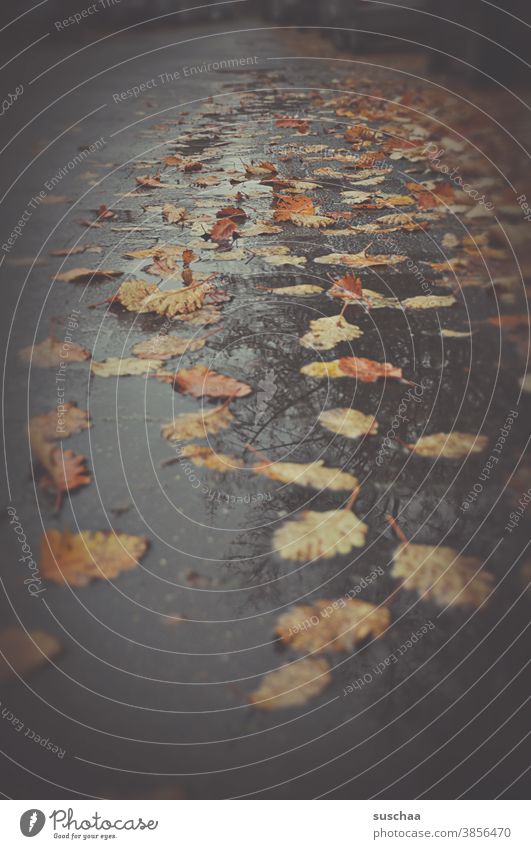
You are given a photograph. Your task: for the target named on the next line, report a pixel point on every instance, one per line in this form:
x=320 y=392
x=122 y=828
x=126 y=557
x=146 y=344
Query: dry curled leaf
x=327 y=332
x=367 y=371
x=452 y=446
x=80 y=558
x=315 y=475
x=292 y=685
x=327 y=626
x=223 y=230
x=441 y=574
x=141 y=297
x=361 y=259
x=429 y=302
x=203 y=455
x=124 y=367
x=52 y=352
x=313 y=535
x=348 y=288
x=173 y=214
x=348 y=422
x=23 y=651
x=162 y=347
x=86 y=275
x=298 y=124
x=198 y=425
x=150 y=181
x=200 y=380
x=263 y=169
x=361 y=131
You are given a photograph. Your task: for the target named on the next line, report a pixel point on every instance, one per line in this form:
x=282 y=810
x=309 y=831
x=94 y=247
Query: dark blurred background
x=466 y=37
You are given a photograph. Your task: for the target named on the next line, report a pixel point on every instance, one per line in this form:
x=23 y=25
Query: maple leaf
x=125 y=367
x=451 y=446
x=64 y=471
x=198 y=425
x=52 y=352
x=200 y=380
x=141 y=297
x=327 y=332
x=440 y=573
x=292 y=685
x=288 y=205
x=315 y=475
x=162 y=347
x=348 y=288
x=361 y=259
x=23 y=651
x=340 y=625
x=314 y=535
x=79 y=275
x=49 y=426
x=348 y=422
x=80 y=558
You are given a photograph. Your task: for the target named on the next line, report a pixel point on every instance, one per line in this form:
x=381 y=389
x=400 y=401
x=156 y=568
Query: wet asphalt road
x=144 y=706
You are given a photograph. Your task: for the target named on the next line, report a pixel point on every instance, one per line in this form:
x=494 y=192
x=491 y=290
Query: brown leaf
x=80 y=558
x=65 y=471
x=297 y=123
x=263 y=169
x=331 y=626
x=54 y=426
x=173 y=214
x=23 y=651
x=200 y=380
x=348 y=288
x=52 y=352
x=223 y=230
x=368 y=371
x=361 y=131
x=292 y=685
x=150 y=181
x=87 y=275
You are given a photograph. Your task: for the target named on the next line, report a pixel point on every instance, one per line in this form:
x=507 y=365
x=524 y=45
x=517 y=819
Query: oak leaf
x=361 y=259
x=348 y=422
x=200 y=380
x=198 y=425
x=452 y=446
x=141 y=297
x=327 y=332
x=315 y=475
x=124 y=367
x=340 y=625
x=162 y=347
x=314 y=535
x=23 y=651
x=440 y=573
x=292 y=685
x=80 y=558
x=52 y=352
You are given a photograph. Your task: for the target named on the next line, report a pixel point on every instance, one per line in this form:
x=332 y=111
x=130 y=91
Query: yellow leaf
x=116 y=367
x=326 y=625
x=327 y=332
x=348 y=422
x=52 y=352
x=315 y=475
x=81 y=558
x=302 y=290
x=316 y=535
x=166 y=346
x=323 y=369
x=360 y=260
x=137 y=296
x=203 y=455
x=452 y=446
x=23 y=651
x=292 y=685
x=87 y=274
x=198 y=425
x=429 y=302
x=442 y=574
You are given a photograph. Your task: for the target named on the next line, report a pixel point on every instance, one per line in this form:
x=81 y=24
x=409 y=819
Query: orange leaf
x=347 y=287
x=368 y=371
x=199 y=380
x=223 y=230
x=288 y=205
x=300 y=125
